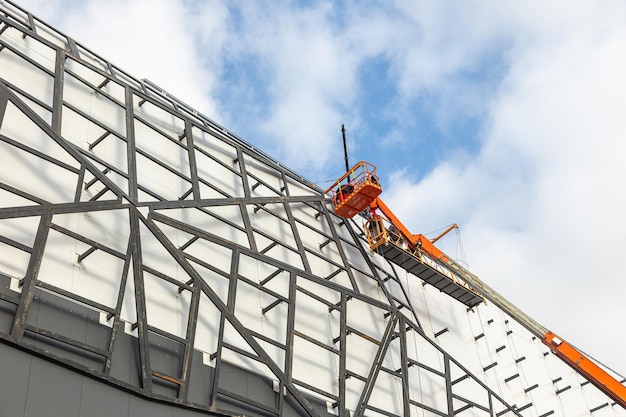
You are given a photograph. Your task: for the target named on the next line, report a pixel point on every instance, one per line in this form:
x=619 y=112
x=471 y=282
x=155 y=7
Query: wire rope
x=417 y=388
x=598 y=362
x=489 y=355
x=330 y=178
x=438 y=230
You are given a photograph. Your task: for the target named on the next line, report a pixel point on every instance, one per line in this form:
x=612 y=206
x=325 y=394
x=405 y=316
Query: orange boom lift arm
x=587 y=368
x=413 y=241
x=358 y=190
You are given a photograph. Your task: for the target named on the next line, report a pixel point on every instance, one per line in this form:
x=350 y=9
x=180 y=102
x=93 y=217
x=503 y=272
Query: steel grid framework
x=224 y=210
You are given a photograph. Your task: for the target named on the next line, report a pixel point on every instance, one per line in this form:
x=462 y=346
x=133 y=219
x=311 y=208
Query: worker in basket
x=342 y=193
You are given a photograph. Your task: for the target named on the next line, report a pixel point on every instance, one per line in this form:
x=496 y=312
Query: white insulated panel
x=83 y=97
x=36 y=80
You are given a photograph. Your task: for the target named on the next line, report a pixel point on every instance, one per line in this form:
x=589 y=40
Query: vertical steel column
x=189 y=346
x=296 y=236
x=4 y=98
x=404 y=360
x=140 y=303
x=331 y=225
x=243 y=172
x=118 y=307
x=193 y=168
x=57 y=91
x=448 y=376
x=375 y=368
x=243 y=207
x=230 y=307
x=343 y=324
x=291 y=325
x=218 y=361
x=130 y=146
x=30 y=280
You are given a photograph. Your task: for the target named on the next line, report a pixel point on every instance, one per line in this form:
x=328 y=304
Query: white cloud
x=541 y=204
x=309 y=75
x=161 y=40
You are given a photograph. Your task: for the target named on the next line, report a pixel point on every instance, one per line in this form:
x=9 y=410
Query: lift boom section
x=411 y=240
x=358 y=190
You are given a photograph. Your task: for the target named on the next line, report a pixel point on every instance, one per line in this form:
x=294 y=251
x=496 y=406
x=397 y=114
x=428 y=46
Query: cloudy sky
x=508 y=118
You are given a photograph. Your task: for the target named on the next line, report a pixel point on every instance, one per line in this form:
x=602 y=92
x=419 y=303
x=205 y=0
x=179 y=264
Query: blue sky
x=504 y=117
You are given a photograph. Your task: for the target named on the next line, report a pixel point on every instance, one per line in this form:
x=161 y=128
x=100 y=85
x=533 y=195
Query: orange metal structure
x=572 y=356
x=412 y=241
x=355 y=190
x=360 y=192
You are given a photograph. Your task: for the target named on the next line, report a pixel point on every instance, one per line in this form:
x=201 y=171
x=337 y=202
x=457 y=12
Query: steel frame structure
x=147 y=217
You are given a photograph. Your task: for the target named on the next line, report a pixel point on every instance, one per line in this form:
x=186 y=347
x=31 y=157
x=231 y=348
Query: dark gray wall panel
x=41 y=388
x=125 y=358
x=99 y=400
x=200 y=381
x=52 y=393
x=15 y=367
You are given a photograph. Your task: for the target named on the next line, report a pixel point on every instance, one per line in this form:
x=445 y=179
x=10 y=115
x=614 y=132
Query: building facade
x=154 y=263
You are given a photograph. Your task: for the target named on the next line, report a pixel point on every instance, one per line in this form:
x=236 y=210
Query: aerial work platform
x=393 y=248
x=355 y=190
